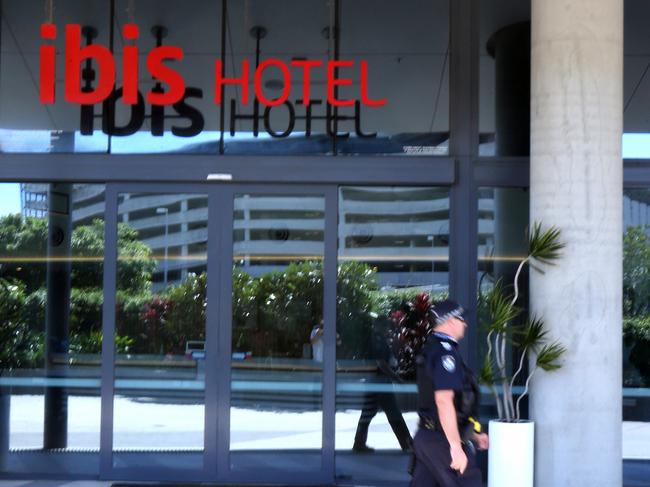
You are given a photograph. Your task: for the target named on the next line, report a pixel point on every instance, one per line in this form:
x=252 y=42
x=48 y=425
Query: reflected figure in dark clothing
x=385 y=399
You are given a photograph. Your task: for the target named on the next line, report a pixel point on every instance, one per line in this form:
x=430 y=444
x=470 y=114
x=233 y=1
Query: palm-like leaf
x=532 y=335
x=500 y=307
x=549 y=355
x=544 y=246
x=486 y=374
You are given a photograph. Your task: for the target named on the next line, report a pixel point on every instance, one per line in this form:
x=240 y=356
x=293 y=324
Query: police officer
x=448 y=434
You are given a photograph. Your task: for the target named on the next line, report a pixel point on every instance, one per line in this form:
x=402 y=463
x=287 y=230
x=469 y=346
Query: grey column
x=576 y=184
x=55 y=431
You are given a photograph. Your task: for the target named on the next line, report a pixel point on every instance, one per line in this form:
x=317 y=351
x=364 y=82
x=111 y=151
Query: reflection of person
x=384 y=399
x=447 y=404
x=316 y=340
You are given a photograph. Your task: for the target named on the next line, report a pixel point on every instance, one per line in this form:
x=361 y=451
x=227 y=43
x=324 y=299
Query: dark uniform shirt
x=441 y=367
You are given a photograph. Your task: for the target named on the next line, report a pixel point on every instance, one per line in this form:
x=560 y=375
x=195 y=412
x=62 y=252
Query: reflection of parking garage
x=401 y=232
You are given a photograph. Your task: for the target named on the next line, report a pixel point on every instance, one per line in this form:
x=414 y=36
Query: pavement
x=143 y=425
x=635 y=474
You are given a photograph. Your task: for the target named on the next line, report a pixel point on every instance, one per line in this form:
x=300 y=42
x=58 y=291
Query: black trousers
x=371 y=404
x=433 y=460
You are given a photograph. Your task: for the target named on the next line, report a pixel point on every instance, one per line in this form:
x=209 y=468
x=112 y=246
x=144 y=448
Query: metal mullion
x=636 y=173
x=330 y=267
x=108 y=377
x=215 y=268
x=326 y=473
x=463 y=145
x=224 y=253
x=161 y=168
x=464 y=78
x=108 y=329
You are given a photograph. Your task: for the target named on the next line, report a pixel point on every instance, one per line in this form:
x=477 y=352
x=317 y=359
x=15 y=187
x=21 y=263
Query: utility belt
x=466 y=428
x=430 y=424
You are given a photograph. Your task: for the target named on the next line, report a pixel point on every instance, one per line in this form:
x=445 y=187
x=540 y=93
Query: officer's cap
x=443 y=310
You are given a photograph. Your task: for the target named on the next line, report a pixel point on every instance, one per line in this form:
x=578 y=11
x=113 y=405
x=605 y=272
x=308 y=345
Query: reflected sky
x=9 y=198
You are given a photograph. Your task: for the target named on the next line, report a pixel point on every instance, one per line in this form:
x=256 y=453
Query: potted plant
x=511 y=453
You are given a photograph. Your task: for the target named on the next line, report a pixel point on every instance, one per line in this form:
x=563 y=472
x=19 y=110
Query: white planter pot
x=511 y=456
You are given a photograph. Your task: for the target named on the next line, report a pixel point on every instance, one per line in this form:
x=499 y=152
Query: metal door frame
x=216 y=454
x=106 y=469
x=326 y=473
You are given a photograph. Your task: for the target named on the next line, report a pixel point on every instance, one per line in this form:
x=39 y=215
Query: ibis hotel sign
x=100 y=86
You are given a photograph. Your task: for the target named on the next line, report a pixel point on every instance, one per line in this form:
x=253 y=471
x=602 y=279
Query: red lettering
x=74 y=54
x=306 y=67
x=286 y=82
x=165 y=74
x=130 y=66
x=221 y=81
x=333 y=82
x=364 y=88
x=47 y=85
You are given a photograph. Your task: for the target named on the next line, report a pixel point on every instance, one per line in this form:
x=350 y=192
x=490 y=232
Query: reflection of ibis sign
x=177 y=94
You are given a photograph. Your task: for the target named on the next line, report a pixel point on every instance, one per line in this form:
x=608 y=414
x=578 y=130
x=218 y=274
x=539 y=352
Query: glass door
x=156 y=312
x=278 y=300
x=220 y=304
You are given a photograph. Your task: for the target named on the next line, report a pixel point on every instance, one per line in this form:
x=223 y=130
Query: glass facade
x=374 y=60
x=636 y=311
x=51 y=267
x=276 y=410
x=636 y=84
x=504 y=62
x=248 y=306
x=393 y=246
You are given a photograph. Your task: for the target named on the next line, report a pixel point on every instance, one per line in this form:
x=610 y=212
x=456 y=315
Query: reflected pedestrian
x=316 y=340
x=385 y=398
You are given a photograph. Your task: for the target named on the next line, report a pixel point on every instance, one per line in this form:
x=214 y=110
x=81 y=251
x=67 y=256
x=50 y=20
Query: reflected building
x=402 y=233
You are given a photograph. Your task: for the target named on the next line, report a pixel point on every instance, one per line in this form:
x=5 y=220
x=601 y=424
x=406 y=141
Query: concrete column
x=576 y=184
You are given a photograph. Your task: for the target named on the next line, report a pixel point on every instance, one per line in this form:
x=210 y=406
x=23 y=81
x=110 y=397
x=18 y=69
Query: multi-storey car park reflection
x=407 y=245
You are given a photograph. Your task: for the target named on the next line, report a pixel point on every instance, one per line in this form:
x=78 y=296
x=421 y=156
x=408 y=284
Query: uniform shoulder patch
x=449 y=363
x=447 y=346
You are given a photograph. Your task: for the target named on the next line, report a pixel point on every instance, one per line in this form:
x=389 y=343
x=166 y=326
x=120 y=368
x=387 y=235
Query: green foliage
x=636 y=272
x=544 y=245
x=486 y=374
x=356 y=306
x=16 y=341
x=129 y=322
x=549 y=355
x=185 y=319
x=499 y=316
x=532 y=334
x=636 y=298
x=636 y=335
x=274 y=313
x=500 y=310
x=135 y=266
x=25 y=240
x=91 y=343
x=387 y=301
